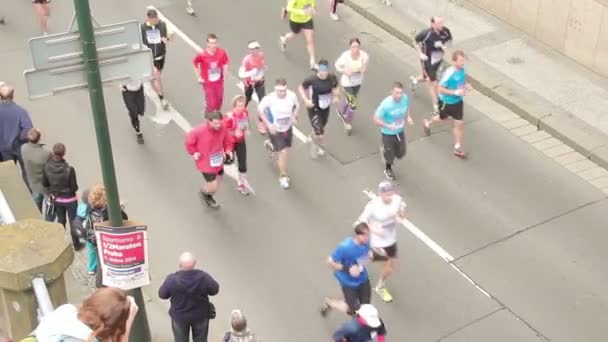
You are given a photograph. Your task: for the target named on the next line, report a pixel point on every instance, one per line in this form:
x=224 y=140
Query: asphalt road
x=526 y=230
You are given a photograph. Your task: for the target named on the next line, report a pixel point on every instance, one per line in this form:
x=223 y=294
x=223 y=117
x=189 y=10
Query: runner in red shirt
x=236 y=122
x=211 y=66
x=210 y=144
x=251 y=72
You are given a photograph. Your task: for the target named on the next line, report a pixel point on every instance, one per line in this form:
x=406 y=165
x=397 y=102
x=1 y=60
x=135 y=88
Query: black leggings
x=135 y=102
x=318 y=119
x=259 y=89
x=240 y=149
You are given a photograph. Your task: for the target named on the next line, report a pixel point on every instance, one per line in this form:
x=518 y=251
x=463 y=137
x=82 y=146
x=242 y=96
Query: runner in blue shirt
x=348 y=262
x=452 y=88
x=391 y=115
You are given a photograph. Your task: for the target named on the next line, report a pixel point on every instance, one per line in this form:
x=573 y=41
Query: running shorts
x=281 y=140
x=318 y=119
x=455 y=110
x=159 y=63
x=385 y=253
x=431 y=69
x=297 y=27
x=357 y=296
x=210 y=177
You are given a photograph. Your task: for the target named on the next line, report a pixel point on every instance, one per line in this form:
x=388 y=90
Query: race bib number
x=324 y=101
x=283 y=123
x=243 y=124
x=216 y=159
x=400 y=123
x=373 y=335
x=388 y=224
x=356 y=77
x=214 y=73
x=436 y=57
x=153 y=36
x=438 y=44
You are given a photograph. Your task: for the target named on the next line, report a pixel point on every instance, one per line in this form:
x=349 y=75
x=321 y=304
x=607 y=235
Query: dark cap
x=152 y=13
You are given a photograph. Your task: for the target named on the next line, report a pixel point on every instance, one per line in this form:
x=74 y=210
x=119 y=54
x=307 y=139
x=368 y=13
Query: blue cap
x=323 y=67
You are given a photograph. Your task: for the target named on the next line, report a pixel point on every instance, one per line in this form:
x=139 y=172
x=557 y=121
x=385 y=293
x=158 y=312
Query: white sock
x=457 y=146
x=380 y=284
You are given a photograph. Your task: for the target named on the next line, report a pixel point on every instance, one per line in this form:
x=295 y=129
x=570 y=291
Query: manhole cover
x=515 y=60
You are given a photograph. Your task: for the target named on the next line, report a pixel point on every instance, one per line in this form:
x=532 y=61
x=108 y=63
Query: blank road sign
x=49 y=82
x=65 y=48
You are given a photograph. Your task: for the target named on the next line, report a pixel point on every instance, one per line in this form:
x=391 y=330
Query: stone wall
x=576 y=28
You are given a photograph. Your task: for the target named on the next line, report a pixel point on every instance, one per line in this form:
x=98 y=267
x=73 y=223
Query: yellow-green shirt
x=298 y=10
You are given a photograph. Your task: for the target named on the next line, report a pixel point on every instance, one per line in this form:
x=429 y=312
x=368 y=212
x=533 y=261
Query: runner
x=211 y=66
x=301 y=13
x=251 y=72
x=155 y=35
x=348 y=262
x=210 y=145
x=43 y=12
x=366 y=326
x=189 y=8
x=390 y=116
x=382 y=215
x=279 y=111
x=236 y=122
x=431 y=44
x=318 y=92
x=452 y=88
x=352 y=65
x=135 y=101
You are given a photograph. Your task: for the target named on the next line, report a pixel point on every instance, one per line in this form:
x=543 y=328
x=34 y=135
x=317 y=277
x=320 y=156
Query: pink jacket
x=212 y=146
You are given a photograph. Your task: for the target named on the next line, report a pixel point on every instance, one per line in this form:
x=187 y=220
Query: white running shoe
x=283 y=43
x=386 y=2
x=165 y=104
x=334 y=16
x=190 y=10
x=284 y=182
x=320 y=151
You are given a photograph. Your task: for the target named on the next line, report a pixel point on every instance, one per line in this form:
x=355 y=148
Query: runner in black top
x=155 y=35
x=430 y=44
x=318 y=92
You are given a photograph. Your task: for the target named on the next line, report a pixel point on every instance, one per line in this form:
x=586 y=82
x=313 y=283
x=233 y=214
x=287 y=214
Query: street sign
x=55 y=81
x=64 y=49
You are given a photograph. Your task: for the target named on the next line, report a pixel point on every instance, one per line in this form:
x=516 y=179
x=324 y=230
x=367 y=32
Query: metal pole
x=140 y=331
x=42 y=296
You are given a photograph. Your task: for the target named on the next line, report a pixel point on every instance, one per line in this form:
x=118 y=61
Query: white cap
x=253 y=45
x=369 y=313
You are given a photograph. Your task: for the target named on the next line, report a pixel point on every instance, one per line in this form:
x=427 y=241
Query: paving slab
x=551 y=274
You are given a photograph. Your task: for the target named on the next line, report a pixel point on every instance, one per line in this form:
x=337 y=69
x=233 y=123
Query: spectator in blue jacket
x=365 y=327
x=189 y=290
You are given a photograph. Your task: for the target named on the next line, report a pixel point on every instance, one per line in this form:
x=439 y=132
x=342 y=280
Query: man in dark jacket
x=189 y=290
x=15 y=123
x=365 y=327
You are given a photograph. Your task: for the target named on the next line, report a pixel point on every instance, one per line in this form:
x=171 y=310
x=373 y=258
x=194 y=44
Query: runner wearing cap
x=352 y=65
x=318 y=92
x=391 y=115
x=155 y=35
x=279 y=111
x=301 y=14
x=366 y=326
x=382 y=214
x=211 y=67
x=348 y=262
x=236 y=122
x=251 y=72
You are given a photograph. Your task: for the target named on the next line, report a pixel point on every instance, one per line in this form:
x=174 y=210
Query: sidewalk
x=541 y=85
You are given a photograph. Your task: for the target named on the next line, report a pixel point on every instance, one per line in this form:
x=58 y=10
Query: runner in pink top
x=251 y=72
x=211 y=67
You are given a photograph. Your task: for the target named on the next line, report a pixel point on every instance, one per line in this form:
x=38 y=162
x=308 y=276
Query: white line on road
x=432 y=245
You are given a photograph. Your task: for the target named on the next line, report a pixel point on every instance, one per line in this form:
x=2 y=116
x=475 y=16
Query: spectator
x=365 y=326
x=15 y=123
x=35 y=156
x=104 y=316
x=189 y=290
x=60 y=179
x=239 y=331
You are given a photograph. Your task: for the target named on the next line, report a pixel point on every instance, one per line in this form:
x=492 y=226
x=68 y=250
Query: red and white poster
x=123 y=255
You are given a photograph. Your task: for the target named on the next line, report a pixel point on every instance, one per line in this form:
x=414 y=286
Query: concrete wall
x=576 y=28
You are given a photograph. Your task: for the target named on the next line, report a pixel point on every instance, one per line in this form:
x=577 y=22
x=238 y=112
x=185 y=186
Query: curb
x=575 y=133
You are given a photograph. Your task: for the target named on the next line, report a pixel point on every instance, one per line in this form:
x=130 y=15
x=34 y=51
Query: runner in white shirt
x=279 y=111
x=382 y=215
x=352 y=65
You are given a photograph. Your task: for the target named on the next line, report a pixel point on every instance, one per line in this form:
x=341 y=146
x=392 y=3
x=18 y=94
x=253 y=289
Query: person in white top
x=382 y=214
x=279 y=111
x=352 y=64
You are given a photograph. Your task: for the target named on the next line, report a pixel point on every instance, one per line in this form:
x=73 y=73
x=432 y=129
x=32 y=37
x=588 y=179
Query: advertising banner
x=123 y=255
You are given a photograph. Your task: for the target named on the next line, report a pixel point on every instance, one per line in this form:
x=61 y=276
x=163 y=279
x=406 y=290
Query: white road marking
x=431 y=244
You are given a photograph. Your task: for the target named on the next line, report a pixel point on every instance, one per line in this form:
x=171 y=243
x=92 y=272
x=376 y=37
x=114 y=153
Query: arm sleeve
x=73 y=181
x=340 y=63
x=213 y=287
x=197 y=61
x=263 y=103
x=337 y=255
x=45 y=180
x=421 y=36
x=190 y=142
x=307 y=82
x=164 y=291
x=25 y=124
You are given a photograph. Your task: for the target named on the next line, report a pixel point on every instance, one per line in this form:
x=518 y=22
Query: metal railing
x=45 y=306
x=6 y=214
